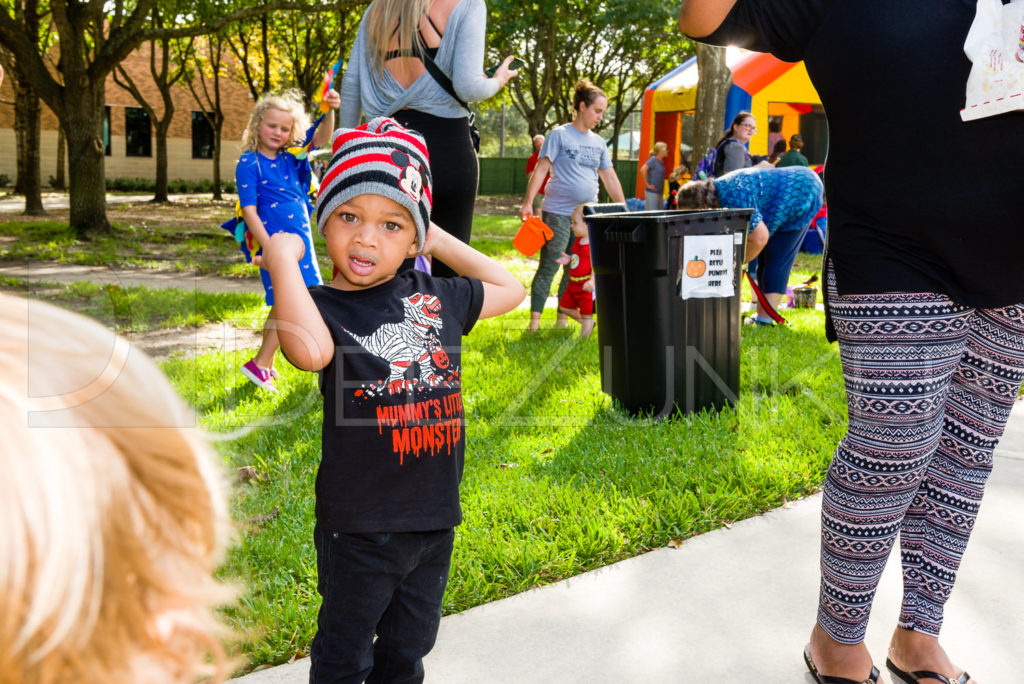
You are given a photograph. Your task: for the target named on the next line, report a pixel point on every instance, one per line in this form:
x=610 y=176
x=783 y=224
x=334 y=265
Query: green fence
x=507 y=176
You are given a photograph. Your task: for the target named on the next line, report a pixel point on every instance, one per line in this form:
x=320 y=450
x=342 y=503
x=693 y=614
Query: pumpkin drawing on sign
x=695 y=268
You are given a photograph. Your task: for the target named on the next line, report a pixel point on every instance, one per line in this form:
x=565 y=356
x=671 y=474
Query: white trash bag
x=995 y=46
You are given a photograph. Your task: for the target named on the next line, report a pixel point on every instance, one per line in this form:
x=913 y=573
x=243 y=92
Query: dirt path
x=57 y=272
x=187 y=210
x=192 y=342
x=59 y=201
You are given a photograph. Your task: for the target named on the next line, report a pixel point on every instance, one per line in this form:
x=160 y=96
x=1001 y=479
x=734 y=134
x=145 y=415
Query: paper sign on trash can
x=707 y=266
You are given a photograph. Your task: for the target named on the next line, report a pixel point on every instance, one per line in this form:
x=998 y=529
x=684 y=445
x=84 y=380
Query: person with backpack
x=730 y=152
x=420 y=62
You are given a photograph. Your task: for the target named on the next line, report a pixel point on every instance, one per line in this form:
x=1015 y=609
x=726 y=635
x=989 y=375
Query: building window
x=106 y=131
x=202 y=136
x=137 y=133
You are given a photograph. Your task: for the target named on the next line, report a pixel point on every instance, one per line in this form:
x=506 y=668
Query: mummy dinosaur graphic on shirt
x=414 y=340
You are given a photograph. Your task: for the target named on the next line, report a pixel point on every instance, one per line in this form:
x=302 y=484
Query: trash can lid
x=669 y=215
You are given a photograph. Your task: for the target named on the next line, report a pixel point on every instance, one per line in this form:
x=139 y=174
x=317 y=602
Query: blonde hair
x=678 y=172
x=577 y=213
x=289 y=101
x=658 y=147
x=112 y=513
x=398 y=18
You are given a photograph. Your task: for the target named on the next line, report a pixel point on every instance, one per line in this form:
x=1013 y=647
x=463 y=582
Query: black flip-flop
x=827 y=679
x=918 y=675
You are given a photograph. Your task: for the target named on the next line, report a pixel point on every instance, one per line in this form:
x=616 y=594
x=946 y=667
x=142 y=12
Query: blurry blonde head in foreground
x=112 y=513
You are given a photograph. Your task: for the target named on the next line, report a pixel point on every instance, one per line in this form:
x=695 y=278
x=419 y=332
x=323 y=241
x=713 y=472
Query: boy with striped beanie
x=387 y=345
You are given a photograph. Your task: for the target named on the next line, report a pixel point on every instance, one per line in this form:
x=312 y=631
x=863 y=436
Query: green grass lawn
x=558 y=480
x=141 y=309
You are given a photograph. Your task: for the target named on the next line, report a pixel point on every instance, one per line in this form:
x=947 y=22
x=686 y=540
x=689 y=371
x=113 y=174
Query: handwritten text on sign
x=707 y=266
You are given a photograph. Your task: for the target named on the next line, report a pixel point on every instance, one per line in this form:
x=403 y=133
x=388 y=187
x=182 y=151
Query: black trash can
x=668 y=305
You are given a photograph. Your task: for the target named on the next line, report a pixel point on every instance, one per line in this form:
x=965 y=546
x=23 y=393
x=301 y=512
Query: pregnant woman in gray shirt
x=576 y=157
x=387 y=76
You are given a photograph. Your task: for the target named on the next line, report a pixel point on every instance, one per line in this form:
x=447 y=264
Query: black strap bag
x=446 y=83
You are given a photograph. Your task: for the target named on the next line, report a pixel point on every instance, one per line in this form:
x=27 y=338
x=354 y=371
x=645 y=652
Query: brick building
x=130 y=137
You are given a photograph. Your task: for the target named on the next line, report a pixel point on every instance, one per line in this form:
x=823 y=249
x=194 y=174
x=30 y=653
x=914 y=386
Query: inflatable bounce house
x=770 y=89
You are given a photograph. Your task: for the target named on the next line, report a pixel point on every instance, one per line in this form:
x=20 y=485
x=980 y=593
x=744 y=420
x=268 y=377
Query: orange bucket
x=531 y=236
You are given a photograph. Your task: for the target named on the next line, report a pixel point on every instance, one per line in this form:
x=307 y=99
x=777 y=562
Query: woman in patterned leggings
x=929 y=387
x=924 y=295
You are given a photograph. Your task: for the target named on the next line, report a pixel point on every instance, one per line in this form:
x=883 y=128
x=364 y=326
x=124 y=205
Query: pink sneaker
x=259 y=376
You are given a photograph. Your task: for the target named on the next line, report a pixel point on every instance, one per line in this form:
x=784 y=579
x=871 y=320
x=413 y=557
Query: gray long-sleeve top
x=460 y=56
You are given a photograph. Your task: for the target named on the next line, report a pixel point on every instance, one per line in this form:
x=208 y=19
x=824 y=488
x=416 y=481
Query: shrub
x=131 y=184
x=178 y=186
x=4 y=180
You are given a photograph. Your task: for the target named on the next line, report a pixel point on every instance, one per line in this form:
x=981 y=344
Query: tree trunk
x=27 y=110
x=217 y=193
x=714 y=81
x=84 y=129
x=265 y=44
x=161 y=159
x=60 y=181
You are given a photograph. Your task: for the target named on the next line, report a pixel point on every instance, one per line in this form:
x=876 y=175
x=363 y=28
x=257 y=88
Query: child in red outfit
x=578 y=299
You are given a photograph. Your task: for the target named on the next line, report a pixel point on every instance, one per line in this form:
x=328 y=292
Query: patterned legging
x=929 y=388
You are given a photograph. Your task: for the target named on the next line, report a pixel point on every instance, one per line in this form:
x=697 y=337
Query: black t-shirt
x=393 y=431
x=918 y=200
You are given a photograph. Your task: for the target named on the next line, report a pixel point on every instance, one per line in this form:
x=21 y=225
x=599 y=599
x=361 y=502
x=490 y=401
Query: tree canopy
x=93 y=37
x=620 y=45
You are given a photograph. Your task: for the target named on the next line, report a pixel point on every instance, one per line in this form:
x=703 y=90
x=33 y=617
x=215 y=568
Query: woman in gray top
x=387 y=76
x=653 y=173
x=732 y=146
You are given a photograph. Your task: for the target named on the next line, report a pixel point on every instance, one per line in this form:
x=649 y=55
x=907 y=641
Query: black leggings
x=454 y=170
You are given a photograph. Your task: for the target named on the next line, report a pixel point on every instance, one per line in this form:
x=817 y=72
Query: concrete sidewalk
x=735 y=605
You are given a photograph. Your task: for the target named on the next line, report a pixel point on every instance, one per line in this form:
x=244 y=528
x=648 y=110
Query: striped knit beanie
x=378 y=158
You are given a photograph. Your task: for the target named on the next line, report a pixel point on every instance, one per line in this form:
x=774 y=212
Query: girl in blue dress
x=273 y=192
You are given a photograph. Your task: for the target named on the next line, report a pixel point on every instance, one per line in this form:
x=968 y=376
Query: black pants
x=454 y=170
x=388 y=584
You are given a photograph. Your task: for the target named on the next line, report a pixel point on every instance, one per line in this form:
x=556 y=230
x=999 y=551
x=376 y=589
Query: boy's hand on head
x=283 y=248
x=435 y=236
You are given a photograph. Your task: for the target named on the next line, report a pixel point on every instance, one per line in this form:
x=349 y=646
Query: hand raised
x=332 y=99
x=283 y=248
x=503 y=73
